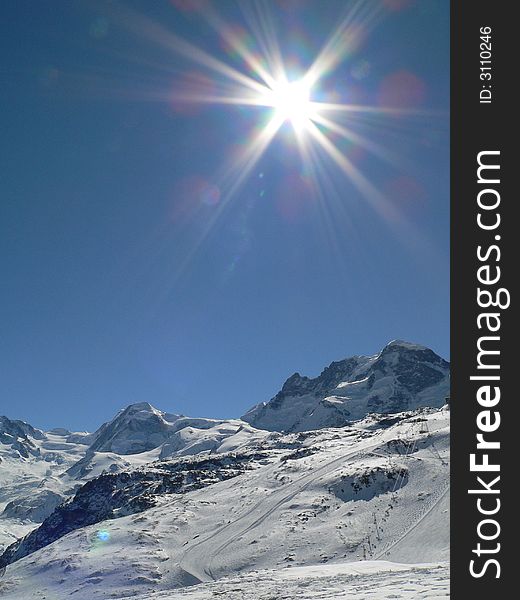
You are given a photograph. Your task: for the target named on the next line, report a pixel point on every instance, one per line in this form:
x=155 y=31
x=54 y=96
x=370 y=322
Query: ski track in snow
x=159 y=554
x=394 y=543
x=266 y=507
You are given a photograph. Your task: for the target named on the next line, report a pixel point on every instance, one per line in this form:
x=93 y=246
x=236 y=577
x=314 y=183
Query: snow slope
x=38 y=470
x=338 y=487
x=365 y=580
x=31 y=483
x=319 y=501
x=368 y=580
x=141 y=427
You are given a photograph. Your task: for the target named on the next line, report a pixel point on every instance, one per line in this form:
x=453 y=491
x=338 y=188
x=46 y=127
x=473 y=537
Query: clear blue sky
x=129 y=272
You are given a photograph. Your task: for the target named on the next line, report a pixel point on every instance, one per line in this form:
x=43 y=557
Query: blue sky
x=131 y=268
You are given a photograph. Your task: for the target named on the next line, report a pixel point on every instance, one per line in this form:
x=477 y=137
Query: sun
x=282 y=91
x=291 y=101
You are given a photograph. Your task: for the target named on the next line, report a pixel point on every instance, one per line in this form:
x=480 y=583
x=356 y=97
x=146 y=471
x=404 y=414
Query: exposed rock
x=401 y=377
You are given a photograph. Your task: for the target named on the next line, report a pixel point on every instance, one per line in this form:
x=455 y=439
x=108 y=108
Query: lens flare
x=335 y=116
x=103 y=535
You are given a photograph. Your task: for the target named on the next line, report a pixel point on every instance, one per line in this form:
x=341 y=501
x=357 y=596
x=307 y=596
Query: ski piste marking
x=435 y=501
x=301 y=484
x=422 y=516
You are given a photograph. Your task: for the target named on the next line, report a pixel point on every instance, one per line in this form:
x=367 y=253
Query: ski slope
x=352 y=512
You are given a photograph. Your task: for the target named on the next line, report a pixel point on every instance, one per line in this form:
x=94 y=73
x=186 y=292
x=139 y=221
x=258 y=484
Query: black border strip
x=478 y=127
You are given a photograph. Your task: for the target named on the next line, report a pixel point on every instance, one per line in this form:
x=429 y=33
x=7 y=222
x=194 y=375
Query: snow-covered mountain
x=313 y=501
x=38 y=471
x=141 y=427
x=401 y=377
x=17 y=435
x=314 y=479
x=141 y=433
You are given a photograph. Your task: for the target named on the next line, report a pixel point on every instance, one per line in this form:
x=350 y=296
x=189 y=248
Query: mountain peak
x=20 y=435
x=403 y=376
x=139 y=410
x=405 y=345
x=141 y=427
x=137 y=428
x=137 y=406
x=20 y=428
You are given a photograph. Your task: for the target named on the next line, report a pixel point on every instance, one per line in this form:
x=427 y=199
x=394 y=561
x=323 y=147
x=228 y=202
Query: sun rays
x=290 y=97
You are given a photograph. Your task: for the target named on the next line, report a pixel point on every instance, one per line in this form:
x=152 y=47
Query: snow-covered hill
x=402 y=376
x=40 y=470
x=153 y=502
x=31 y=477
x=141 y=427
x=376 y=491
